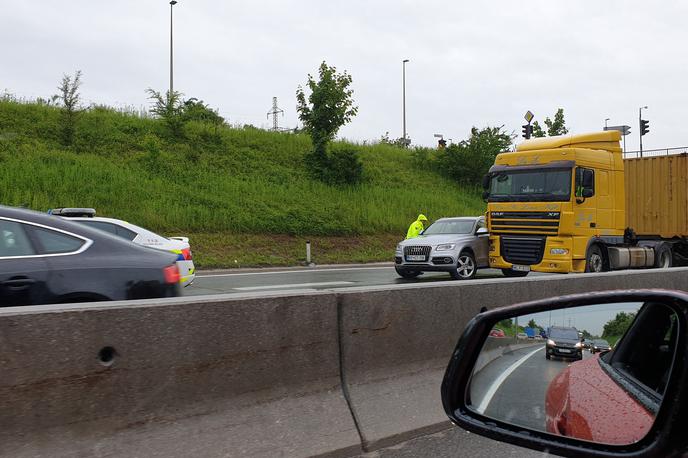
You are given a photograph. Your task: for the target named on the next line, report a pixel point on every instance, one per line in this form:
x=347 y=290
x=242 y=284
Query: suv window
x=54 y=242
x=13 y=240
x=113 y=229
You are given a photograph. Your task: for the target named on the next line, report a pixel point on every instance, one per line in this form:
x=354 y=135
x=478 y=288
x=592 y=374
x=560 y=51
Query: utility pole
x=403 y=64
x=275 y=111
x=172 y=3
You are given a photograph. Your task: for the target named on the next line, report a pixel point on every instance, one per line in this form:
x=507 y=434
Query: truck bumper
x=552 y=261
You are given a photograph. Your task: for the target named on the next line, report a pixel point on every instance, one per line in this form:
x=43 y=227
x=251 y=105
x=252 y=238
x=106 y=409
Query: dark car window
x=563 y=333
x=111 y=228
x=646 y=352
x=13 y=240
x=54 y=242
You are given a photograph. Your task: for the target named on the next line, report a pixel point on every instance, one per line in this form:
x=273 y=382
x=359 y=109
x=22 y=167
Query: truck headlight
x=558 y=251
x=445 y=247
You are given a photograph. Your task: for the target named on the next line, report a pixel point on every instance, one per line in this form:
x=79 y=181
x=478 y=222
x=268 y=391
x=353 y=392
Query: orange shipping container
x=657 y=195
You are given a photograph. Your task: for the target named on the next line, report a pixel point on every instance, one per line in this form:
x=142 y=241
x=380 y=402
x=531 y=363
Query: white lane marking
x=293 y=272
x=294 y=285
x=498 y=382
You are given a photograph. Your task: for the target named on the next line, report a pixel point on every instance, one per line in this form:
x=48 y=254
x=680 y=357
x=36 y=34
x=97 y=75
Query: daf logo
x=553 y=214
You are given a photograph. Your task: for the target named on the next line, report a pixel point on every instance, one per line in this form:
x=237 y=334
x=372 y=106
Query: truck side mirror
x=486 y=195
x=587 y=192
x=486 y=181
x=588 y=179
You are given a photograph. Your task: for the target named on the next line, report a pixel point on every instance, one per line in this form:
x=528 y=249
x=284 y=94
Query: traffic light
x=527 y=131
x=644 y=127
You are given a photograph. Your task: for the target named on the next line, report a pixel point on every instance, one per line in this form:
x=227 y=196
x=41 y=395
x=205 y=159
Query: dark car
x=599 y=345
x=48 y=260
x=564 y=342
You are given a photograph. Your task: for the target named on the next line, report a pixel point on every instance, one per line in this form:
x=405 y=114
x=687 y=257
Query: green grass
x=216 y=184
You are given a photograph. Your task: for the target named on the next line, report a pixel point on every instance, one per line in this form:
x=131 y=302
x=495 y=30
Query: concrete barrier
x=290 y=375
x=495 y=348
x=192 y=378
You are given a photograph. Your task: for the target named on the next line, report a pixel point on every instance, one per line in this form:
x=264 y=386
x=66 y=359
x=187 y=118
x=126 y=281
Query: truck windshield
x=553 y=185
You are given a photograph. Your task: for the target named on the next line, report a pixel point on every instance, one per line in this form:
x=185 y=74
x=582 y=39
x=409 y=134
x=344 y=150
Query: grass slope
x=236 y=192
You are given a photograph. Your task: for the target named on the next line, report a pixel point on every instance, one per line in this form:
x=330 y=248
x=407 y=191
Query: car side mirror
x=482 y=230
x=553 y=395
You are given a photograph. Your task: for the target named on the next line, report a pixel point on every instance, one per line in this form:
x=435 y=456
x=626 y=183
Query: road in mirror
x=594 y=372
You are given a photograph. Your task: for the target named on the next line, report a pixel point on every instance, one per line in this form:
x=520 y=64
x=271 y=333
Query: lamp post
x=172 y=3
x=605 y=123
x=640 y=127
x=403 y=64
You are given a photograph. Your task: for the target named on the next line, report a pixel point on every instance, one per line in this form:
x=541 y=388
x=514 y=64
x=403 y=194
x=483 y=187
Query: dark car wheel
x=594 y=260
x=514 y=273
x=465 y=268
x=407 y=273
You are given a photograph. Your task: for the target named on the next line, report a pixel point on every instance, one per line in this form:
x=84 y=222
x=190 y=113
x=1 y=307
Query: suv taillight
x=171 y=274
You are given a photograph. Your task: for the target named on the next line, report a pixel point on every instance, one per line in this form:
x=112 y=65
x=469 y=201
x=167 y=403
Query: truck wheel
x=407 y=273
x=594 y=260
x=513 y=273
x=663 y=256
x=465 y=268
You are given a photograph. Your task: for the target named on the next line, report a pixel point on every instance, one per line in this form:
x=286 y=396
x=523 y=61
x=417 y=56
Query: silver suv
x=458 y=246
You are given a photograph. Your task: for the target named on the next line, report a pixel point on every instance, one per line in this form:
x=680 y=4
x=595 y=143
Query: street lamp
x=403 y=65
x=172 y=3
x=640 y=127
x=605 y=123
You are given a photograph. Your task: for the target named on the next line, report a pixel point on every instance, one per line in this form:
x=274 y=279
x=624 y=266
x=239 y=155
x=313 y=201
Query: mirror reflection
x=595 y=372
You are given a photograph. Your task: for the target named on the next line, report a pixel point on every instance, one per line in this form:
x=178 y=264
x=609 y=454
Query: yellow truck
x=574 y=204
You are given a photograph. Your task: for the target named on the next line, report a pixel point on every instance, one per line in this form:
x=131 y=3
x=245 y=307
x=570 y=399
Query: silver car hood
x=437 y=239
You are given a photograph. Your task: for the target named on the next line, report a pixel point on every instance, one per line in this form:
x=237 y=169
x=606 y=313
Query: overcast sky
x=471 y=63
x=592 y=318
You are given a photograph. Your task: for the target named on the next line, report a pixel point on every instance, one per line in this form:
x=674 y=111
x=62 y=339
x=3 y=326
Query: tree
x=556 y=127
x=195 y=110
x=532 y=324
x=468 y=160
x=169 y=108
x=617 y=326
x=328 y=107
x=506 y=323
x=69 y=97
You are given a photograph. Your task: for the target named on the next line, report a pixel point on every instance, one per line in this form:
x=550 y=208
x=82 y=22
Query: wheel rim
x=595 y=262
x=465 y=266
x=664 y=260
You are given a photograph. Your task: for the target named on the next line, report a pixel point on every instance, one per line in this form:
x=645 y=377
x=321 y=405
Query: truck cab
x=552 y=199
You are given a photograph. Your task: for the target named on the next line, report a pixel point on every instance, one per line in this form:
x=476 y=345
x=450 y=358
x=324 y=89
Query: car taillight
x=186 y=252
x=171 y=274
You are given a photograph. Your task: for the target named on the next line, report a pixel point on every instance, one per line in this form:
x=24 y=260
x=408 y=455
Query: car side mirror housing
x=556 y=396
x=482 y=230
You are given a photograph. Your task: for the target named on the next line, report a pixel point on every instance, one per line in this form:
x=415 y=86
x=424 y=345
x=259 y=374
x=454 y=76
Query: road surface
x=313 y=279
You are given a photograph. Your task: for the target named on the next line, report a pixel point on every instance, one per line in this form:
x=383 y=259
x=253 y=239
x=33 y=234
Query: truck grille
x=524 y=222
x=523 y=250
x=416 y=250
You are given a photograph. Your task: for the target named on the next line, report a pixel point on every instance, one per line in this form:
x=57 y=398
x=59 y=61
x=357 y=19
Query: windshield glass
x=567 y=333
x=452 y=226
x=531 y=185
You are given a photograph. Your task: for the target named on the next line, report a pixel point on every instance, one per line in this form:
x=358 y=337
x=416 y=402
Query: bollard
x=308 y=252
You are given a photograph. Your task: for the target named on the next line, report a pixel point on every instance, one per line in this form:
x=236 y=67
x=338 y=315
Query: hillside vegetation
x=231 y=190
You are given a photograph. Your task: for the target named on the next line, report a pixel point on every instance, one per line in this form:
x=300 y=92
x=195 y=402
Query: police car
x=177 y=245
